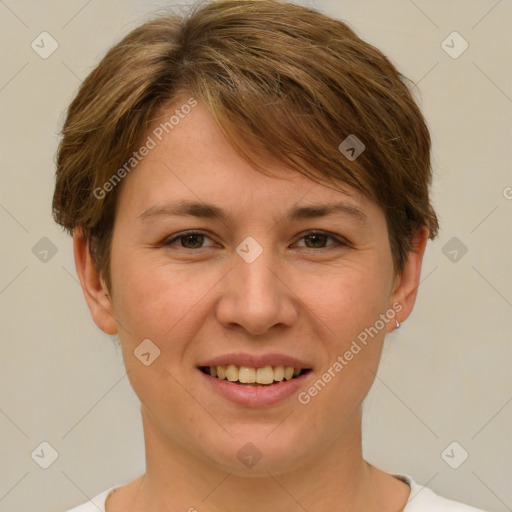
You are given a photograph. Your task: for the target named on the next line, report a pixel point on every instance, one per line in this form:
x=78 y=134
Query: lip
x=255 y=396
x=256 y=361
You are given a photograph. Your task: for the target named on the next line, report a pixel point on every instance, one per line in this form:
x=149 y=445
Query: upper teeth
x=248 y=375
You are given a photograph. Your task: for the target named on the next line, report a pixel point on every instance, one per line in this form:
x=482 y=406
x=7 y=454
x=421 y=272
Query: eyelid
x=174 y=238
x=339 y=240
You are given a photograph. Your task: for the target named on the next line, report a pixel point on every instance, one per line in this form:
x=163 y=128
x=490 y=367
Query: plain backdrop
x=445 y=376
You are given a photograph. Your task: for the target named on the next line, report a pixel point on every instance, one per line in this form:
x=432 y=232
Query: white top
x=421 y=499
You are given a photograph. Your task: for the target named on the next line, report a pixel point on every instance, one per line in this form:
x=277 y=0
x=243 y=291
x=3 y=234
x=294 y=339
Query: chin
x=256 y=452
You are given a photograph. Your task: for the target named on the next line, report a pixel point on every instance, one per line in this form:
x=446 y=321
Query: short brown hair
x=274 y=75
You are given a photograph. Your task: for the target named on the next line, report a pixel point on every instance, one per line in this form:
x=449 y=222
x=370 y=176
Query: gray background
x=445 y=376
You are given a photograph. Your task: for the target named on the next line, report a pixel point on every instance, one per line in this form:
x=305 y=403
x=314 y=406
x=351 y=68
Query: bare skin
x=392 y=494
x=299 y=298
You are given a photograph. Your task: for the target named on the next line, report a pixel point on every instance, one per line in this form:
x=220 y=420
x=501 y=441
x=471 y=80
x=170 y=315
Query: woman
x=247 y=189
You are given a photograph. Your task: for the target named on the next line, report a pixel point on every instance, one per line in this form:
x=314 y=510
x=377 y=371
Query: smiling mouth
x=250 y=376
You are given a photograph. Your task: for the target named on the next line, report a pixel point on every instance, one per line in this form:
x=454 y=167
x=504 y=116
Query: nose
x=257 y=296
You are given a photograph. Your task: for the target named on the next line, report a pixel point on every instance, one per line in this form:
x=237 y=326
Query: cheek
x=349 y=299
x=350 y=307
x=153 y=302
x=152 y=298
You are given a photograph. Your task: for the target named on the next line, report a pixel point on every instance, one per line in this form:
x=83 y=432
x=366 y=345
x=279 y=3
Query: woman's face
x=273 y=282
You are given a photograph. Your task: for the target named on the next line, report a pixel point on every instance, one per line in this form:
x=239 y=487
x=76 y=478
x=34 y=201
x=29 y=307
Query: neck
x=337 y=478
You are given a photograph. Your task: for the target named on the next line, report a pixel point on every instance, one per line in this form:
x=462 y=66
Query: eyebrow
x=210 y=211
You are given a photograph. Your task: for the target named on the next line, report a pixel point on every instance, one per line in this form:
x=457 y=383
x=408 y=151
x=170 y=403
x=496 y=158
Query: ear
x=406 y=284
x=94 y=288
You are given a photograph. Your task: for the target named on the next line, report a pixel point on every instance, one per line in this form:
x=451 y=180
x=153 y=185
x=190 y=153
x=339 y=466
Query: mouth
x=265 y=376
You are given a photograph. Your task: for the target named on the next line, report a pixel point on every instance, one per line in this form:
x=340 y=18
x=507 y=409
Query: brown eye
x=316 y=240
x=195 y=241
x=191 y=240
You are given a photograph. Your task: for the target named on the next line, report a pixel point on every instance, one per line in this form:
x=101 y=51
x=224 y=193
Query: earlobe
x=93 y=287
x=406 y=284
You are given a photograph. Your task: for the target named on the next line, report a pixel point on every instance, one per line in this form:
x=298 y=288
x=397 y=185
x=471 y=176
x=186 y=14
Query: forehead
x=191 y=159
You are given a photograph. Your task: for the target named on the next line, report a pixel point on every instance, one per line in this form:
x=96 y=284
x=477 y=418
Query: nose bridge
x=256 y=277
x=255 y=298
x=255 y=283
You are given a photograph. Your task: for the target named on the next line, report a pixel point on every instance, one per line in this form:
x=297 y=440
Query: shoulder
x=423 y=499
x=96 y=504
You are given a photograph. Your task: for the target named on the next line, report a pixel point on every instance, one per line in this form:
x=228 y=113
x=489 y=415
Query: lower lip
x=256 y=396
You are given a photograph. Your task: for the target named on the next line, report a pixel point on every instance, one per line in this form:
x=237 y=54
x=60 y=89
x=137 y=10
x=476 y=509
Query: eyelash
x=338 y=241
